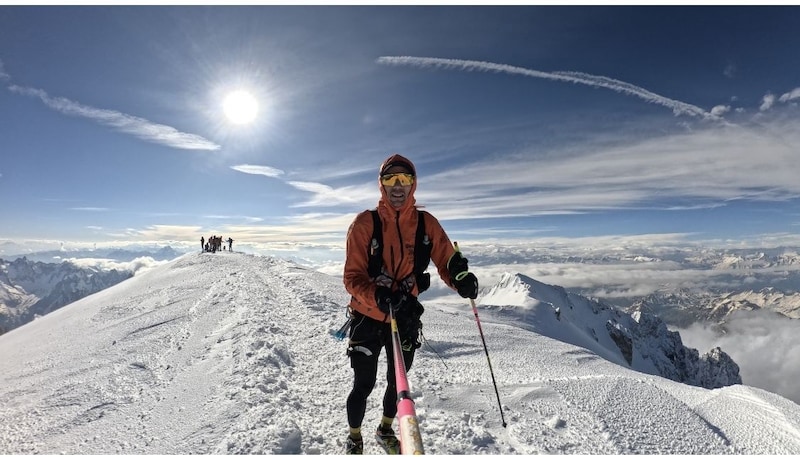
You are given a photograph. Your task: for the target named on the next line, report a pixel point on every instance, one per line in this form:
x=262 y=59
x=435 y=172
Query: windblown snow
x=230 y=353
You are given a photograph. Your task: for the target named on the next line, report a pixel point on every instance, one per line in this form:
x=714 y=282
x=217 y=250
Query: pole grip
x=410 y=438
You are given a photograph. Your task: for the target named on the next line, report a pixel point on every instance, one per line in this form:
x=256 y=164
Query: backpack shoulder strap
x=422 y=246
x=375 y=248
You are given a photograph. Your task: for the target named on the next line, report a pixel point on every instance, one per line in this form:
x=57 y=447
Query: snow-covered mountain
x=751 y=260
x=768 y=298
x=116 y=254
x=232 y=353
x=683 y=308
x=682 y=285
x=640 y=341
x=29 y=289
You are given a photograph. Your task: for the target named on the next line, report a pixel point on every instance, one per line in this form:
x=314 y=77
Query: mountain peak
x=640 y=341
x=513 y=289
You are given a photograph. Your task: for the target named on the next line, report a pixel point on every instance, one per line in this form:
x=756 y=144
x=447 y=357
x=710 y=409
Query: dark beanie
x=397 y=161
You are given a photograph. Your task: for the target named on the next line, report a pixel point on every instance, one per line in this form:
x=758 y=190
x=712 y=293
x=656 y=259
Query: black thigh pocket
x=365 y=340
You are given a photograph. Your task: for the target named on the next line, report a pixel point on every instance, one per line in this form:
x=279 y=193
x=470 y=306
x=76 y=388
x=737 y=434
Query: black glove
x=388 y=299
x=456 y=265
x=466 y=283
x=409 y=324
x=467 y=286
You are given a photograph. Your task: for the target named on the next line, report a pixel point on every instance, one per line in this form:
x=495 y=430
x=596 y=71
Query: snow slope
x=230 y=353
x=640 y=341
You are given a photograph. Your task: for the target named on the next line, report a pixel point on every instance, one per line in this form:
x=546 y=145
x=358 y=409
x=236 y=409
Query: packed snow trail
x=229 y=353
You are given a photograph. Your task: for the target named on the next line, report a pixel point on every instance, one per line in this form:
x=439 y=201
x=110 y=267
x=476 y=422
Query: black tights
x=365 y=369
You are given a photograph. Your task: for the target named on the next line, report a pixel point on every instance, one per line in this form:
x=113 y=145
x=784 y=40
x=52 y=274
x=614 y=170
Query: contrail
x=676 y=106
x=137 y=126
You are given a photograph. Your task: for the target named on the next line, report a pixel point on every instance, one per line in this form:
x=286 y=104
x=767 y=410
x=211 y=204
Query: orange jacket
x=399 y=236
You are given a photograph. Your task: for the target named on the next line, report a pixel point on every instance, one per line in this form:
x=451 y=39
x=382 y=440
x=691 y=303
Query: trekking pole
x=410 y=437
x=434 y=350
x=480 y=330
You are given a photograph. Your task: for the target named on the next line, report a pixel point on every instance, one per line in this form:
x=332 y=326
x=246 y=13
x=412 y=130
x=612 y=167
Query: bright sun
x=240 y=107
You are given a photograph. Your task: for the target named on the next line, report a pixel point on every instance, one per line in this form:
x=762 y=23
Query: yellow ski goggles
x=391 y=179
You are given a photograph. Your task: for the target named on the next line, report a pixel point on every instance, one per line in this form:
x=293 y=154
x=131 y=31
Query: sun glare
x=240 y=107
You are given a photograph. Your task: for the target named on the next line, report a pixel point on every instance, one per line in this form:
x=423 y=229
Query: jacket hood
x=391 y=161
x=397 y=159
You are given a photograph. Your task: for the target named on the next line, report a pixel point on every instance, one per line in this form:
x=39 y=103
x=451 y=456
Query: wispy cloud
x=160 y=232
x=701 y=168
x=324 y=195
x=677 y=107
x=704 y=167
x=313 y=187
x=136 y=126
x=730 y=71
x=766 y=102
x=284 y=233
x=720 y=110
x=3 y=75
x=288 y=232
x=89 y=208
x=262 y=170
x=792 y=95
x=769 y=100
x=234 y=217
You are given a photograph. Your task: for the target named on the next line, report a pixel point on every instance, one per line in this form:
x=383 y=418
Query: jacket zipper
x=395 y=263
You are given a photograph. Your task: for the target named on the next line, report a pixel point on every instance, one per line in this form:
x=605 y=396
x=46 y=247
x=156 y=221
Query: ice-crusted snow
x=232 y=353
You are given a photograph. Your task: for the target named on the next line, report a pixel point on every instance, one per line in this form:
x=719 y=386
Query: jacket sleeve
x=356 y=277
x=442 y=248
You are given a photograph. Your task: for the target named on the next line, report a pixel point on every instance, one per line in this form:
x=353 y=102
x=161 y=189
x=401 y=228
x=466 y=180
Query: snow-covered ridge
x=639 y=340
x=231 y=354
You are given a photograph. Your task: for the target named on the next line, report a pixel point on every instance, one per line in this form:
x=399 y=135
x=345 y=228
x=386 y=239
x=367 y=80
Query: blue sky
x=524 y=121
